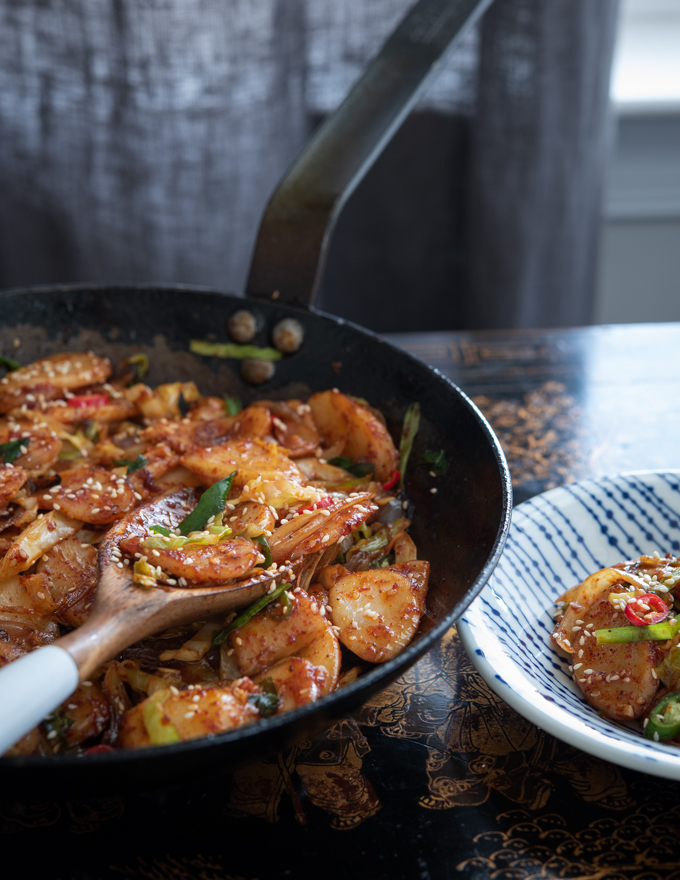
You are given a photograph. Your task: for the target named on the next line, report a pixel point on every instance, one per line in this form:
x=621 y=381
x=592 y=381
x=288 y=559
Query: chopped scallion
x=9 y=364
x=408 y=435
x=437 y=461
x=12 y=449
x=132 y=465
x=211 y=504
x=233 y=350
x=249 y=612
x=232 y=405
x=356 y=468
x=265 y=550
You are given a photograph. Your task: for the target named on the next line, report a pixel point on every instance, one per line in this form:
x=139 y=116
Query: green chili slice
x=232 y=405
x=9 y=364
x=12 y=449
x=132 y=465
x=356 y=468
x=233 y=350
x=212 y=502
x=249 y=612
x=620 y=635
x=664 y=719
x=265 y=550
x=408 y=435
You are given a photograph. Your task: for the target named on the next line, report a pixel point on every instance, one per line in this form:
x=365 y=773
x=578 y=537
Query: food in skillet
x=621 y=632
x=312 y=489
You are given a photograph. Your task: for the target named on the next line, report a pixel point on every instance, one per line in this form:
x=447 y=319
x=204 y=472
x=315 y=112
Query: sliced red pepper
x=656 y=612
x=89 y=400
x=392 y=482
x=325 y=502
x=101 y=749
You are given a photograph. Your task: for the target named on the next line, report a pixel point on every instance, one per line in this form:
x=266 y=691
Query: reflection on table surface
x=435 y=777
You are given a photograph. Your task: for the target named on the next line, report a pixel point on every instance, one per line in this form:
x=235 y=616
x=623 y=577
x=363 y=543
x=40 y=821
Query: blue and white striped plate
x=555 y=541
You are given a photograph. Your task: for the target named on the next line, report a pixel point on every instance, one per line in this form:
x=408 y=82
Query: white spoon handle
x=32 y=687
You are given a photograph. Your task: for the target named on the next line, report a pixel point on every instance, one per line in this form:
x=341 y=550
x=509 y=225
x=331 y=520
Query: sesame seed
x=578 y=666
x=433 y=491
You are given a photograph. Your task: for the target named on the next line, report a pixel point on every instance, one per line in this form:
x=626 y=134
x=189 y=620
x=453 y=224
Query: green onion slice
x=287 y=608
x=233 y=350
x=249 y=612
x=12 y=449
x=232 y=405
x=132 y=465
x=620 y=635
x=268 y=702
x=161 y=530
x=265 y=550
x=9 y=364
x=211 y=504
x=357 y=469
x=408 y=435
x=141 y=363
x=437 y=461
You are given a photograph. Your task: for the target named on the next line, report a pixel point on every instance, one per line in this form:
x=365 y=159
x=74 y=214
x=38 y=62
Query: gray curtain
x=139 y=142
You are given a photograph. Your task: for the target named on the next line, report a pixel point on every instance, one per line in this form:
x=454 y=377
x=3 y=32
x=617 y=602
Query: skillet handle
x=291 y=247
x=31 y=688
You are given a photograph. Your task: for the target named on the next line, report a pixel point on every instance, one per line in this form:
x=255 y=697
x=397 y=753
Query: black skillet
x=461 y=529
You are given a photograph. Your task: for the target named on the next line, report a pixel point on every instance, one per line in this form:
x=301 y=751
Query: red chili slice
x=658 y=610
x=99 y=750
x=325 y=502
x=392 y=482
x=89 y=400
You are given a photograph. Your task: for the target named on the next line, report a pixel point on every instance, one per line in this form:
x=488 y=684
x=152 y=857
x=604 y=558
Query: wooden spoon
x=34 y=685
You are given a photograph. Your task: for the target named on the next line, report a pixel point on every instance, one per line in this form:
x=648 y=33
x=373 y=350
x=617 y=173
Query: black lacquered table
x=435 y=777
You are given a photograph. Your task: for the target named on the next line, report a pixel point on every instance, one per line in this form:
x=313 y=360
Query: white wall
x=639 y=271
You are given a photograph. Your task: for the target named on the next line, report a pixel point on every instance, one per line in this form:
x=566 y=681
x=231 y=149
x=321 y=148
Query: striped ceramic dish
x=555 y=541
